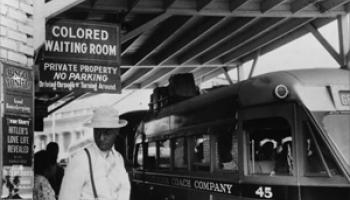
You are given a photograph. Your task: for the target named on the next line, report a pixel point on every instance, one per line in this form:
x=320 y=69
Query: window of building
x=164 y=154
x=226 y=148
x=201 y=152
x=270 y=146
x=180 y=153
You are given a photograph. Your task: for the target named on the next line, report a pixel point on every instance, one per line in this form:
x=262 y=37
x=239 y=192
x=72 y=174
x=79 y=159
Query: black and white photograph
x=175 y=99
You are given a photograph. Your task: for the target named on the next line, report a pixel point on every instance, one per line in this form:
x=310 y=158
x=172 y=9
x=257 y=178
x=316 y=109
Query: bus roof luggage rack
x=181 y=87
x=159 y=98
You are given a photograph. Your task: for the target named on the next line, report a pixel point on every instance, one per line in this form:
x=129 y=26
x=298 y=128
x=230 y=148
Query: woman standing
x=43 y=170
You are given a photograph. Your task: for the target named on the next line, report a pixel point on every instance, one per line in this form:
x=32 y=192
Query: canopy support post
x=344 y=40
x=325 y=43
x=240 y=72
x=255 y=61
x=228 y=78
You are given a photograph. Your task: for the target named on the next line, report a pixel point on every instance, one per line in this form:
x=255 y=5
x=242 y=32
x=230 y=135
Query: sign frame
x=74 y=43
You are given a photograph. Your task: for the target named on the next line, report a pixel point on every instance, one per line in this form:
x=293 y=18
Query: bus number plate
x=345 y=98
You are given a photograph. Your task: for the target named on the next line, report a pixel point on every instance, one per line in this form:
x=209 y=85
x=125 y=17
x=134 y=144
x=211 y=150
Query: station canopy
x=204 y=37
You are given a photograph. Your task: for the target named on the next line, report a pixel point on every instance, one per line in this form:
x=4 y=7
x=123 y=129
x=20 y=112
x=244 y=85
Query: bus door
x=268 y=163
x=137 y=176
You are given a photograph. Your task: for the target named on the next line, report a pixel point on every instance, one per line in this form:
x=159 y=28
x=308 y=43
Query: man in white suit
x=98 y=171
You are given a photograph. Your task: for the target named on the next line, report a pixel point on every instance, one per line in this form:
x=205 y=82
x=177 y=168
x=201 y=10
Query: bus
x=282 y=135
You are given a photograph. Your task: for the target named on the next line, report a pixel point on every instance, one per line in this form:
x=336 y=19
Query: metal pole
x=254 y=64
x=344 y=40
x=240 y=73
x=227 y=75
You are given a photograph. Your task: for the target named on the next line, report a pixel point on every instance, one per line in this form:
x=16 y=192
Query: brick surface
x=27 y=8
x=17 y=57
x=28 y=50
x=8 y=22
x=17 y=15
x=29 y=2
x=12 y=3
x=17 y=36
x=26 y=29
x=7 y=43
x=30 y=61
x=4 y=9
x=30 y=41
x=3 y=53
x=3 y=31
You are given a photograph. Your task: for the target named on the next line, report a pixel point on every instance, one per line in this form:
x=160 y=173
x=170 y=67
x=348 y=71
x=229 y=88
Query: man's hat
x=106 y=117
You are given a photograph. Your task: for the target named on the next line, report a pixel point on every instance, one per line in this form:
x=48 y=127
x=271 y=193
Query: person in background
x=98 y=171
x=43 y=170
x=56 y=180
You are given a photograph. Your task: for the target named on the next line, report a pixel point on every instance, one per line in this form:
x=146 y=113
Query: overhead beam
x=164 y=78
x=325 y=44
x=54 y=8
x=241 y=39
x=160 y=37
x=201 y=72
x=129 y=44
x=201 y=4
x=285 y=40
x=330 y=4
x=221 y=9
x=299 y=5
x=211 y=74
x=131 y=4
x=159 y=72
x=146 y=26
x=236 y=4
x=188 y=38
x=232 y=27
x=267 y=5
x=134 y=77
x=287 y=27
x=168 y=3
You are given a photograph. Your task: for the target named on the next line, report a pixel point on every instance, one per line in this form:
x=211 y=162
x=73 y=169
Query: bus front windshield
x=337 y=127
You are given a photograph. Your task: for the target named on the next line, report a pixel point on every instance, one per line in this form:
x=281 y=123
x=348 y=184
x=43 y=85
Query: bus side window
x=180 y=153
x=318 y=160
x=139 y=156
x=164 y=154
x=226 y=149
x=150 y=160
x=270 y=147
x=201 y=153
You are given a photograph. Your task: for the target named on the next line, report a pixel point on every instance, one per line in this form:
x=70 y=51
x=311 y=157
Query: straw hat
x=106 y=117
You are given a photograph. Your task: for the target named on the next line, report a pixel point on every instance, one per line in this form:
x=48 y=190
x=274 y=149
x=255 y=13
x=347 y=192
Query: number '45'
x=264 y=192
